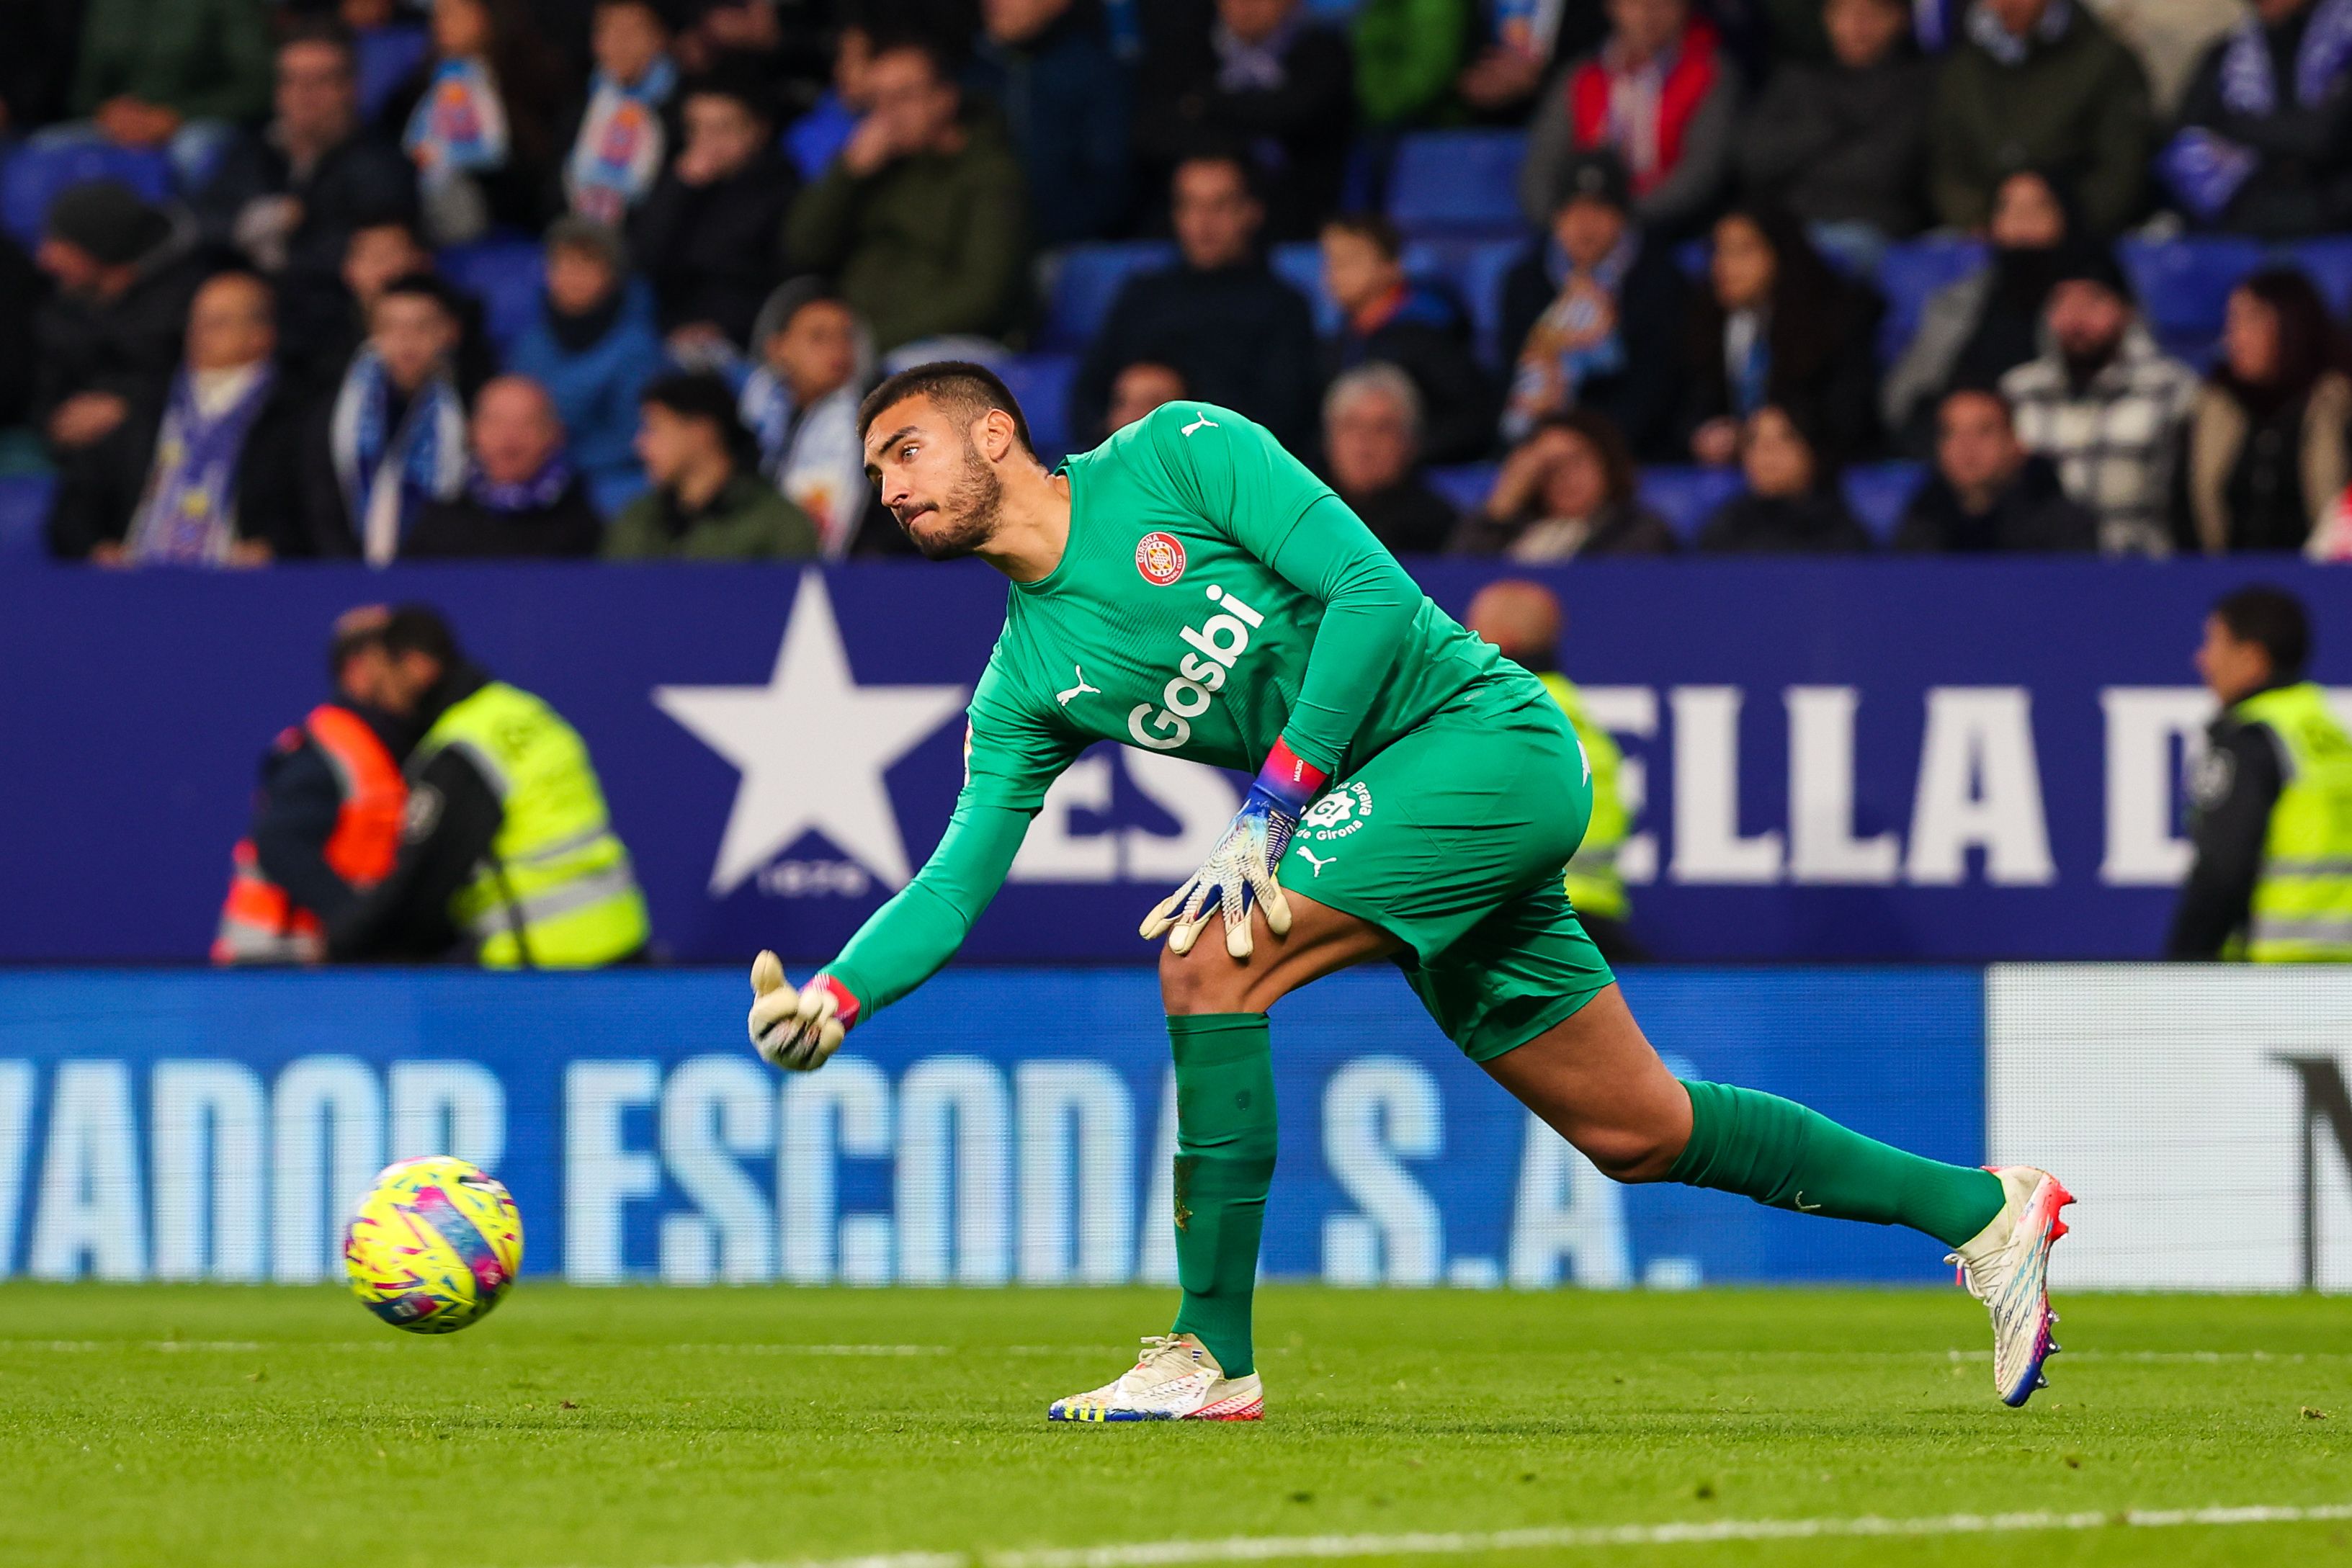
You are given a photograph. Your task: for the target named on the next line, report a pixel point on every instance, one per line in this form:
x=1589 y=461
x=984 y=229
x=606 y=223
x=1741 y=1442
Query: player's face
x=933 y=479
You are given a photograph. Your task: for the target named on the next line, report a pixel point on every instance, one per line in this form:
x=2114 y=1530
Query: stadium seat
x=24 y=517
x=386 y=58
x=34 y=176
x=1300 y=265
x=1465 y=486
x=1477 y=271
x=503 y=273
x=1090 y=278
x=1041 y=384
x=1687 y=497
x=1457 y=181
x=2328 y=262
x=1907 y=274
x=2184 y=284
x=1877 y=493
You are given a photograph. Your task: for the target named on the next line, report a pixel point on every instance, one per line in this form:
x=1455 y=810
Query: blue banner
x=1854 y=759
x=195 y=1126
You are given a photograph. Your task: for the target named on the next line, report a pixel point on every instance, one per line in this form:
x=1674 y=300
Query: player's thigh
x=1595 y=1080
x=1321 y=941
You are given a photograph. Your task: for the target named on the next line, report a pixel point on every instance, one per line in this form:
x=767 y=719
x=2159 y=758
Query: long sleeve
x=295 y=815
x=818 y=228
x=1551 y=141
x=1676 y=202
x=2236 y=787
x=919 y=930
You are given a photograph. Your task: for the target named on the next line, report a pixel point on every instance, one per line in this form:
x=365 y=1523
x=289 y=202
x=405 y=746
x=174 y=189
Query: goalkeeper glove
x=1241 y=870
x=797 y=1030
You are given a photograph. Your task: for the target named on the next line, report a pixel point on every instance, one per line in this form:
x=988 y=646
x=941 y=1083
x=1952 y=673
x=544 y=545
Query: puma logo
x=1311 y=858
x=1081 y=689
x=1197 y=424
x=1807 y=1207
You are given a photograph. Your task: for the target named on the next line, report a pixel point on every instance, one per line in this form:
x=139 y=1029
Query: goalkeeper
x=1188 y=587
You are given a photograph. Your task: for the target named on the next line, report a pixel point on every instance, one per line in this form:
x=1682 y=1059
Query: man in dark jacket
x=522 y=496
x=1389 y=319
x=1066 y=98
x=2264 y=146
x=1989 y=493
x=108 y=337
x=1846 y=141
x=708 y=236
x=291 y=196
x=1258 y=74
x=1236 y=333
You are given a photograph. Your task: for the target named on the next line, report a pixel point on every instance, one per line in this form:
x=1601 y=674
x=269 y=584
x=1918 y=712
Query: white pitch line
x=1434 y=1543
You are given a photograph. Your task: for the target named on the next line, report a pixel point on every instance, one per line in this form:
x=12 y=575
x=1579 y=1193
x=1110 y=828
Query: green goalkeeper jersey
x=1214 y=596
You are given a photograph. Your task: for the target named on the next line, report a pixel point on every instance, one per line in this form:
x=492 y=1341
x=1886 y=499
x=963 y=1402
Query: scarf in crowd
x=1746 y=361
x=187 y=513
x=1986 y=32
x=1244 y=67
x=535 y=494
x=813 y=457
x=1645 y=108
x=2205 y=169
x=459 y=126
x=619 y=151
x=386 y=474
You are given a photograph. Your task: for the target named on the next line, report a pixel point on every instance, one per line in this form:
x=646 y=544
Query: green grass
x=604 y=1428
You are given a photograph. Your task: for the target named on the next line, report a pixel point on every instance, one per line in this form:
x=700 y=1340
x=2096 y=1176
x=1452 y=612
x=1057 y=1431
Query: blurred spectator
x=482 y=132
x=1660 y=92
x=1389 y=319
x=1989 y=493
x=921 y=218
x=2262 y=452
x=1261 y=75
x=591 y=344
x=1371 y=438
x=1047 y=66
x=110 y=334
x=179 y=75
x=709 y=502
x=621 y=143
x=1517 y=49
x=381 y=252
x=291 y=196
x=1236 y=334
x=1791 y=505
x=2103 y=402
x=1137 y=390
x=522 y=496
x=2266 y=140
x=800 y=403
x=817 y=137
x=395 y=436
x=1775 y=325
x=1975 y=330
x=1567 y=490
x=1408 y=54
x=2041 y=84
x=208 y=475
x=1597 y=316
x=708 y=236
x=1844 y=145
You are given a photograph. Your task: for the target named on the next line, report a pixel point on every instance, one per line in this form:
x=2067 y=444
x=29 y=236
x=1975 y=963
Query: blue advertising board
x=187 y=1125
x=1948 y=760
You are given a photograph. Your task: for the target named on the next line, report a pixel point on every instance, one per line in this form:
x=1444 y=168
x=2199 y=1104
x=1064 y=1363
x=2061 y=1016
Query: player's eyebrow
x=893 y=439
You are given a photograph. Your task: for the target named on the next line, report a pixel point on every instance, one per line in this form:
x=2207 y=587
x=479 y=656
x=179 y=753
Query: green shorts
x=1454 y=839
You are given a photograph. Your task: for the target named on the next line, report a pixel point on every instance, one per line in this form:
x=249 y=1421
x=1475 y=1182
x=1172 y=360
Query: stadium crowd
x=546 y=277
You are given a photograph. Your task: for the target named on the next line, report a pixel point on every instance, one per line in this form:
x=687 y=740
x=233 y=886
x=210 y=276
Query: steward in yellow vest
x=507 y=853
x=2272 y=798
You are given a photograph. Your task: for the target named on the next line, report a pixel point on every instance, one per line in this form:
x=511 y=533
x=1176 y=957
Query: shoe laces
x=1160 y=1349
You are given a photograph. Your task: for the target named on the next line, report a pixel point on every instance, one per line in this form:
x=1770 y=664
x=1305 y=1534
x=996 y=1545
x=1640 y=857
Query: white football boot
x=2007 y=1266
x=1175 y=1379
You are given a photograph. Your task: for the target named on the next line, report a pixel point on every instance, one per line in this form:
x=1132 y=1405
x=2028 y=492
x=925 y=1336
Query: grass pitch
x=647 y=1429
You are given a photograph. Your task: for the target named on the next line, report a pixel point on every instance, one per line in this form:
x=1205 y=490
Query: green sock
x=1224 y=1163
x=1779 y=1152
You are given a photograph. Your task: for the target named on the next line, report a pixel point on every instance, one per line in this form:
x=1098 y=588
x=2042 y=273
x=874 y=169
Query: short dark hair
x=420 y=629
x=1216 y=150
x=739 y=83
x=705 y=395
x=958 y=386
x=1372 y=227
x=1969 y=387
x=329 y=31
x=427 y=286
x=2272 y=619
x=935 y=53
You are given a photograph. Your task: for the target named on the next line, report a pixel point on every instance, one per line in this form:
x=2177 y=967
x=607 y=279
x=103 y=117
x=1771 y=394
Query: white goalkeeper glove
x=1240 y=871
x=797 y=1030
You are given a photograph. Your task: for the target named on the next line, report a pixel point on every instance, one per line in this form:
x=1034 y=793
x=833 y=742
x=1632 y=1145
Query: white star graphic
x=812 y=745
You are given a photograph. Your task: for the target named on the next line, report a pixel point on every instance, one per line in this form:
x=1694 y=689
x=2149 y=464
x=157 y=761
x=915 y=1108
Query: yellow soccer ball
x=434 y=1245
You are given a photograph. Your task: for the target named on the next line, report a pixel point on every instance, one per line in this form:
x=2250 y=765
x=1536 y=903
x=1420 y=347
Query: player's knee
x=1629 y=1153
x=1206 y=980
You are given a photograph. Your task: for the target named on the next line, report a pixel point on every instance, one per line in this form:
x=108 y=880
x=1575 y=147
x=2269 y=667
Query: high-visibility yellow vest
x=556 y=891
x=1594 y=883
x=2303 y=900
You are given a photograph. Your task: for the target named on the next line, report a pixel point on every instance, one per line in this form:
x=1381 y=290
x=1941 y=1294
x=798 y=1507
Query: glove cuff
x=845 y=1005
x=1289 y=779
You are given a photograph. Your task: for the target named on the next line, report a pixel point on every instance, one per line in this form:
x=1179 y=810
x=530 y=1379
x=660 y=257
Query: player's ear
x=993 y=434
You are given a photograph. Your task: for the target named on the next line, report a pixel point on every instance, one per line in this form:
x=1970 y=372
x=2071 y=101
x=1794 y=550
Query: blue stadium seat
x=1687 y=497
x=2184 y=285
x=34 y=176
x=386 y=58
x=24 y=517
x=1457 y=181
x=1300 y=265
x=1041 y=384
x=1464 y=485
x=1090 y=278
x=1907 y=274
x=2328 y=262
x=505 y=274
x=1877 y=493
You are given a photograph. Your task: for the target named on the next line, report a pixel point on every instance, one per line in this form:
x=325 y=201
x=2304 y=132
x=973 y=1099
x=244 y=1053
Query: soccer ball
x=434 y=1245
